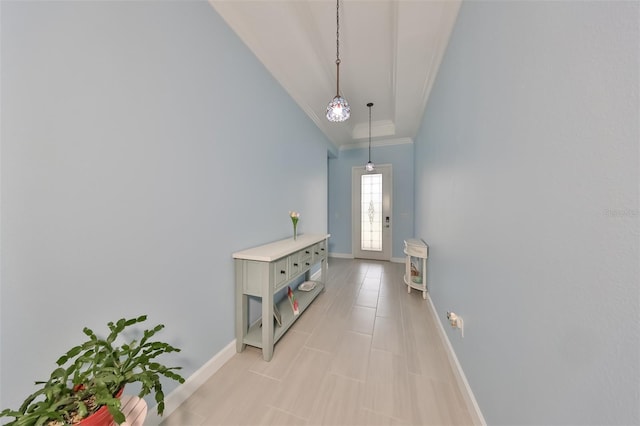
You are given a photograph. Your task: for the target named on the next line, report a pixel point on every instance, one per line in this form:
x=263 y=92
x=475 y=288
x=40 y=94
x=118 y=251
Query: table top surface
x=278 y=249
x=416 y=247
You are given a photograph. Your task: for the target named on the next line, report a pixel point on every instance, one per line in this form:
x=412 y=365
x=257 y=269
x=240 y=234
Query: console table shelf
x=254 y=335
x=262 y=272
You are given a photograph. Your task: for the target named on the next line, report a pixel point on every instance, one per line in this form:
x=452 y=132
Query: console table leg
x=323 y=272
x=242 y=309
x=267 y=328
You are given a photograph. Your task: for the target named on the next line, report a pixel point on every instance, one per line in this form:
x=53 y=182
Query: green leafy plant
x=91 y=374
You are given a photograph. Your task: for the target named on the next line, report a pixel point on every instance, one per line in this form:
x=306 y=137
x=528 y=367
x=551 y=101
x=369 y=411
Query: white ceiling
x=390 y=52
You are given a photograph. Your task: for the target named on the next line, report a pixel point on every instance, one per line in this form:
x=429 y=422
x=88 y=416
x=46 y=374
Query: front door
x=371 y=212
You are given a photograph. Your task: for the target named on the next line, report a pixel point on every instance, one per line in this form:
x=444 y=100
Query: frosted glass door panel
x=371 y=212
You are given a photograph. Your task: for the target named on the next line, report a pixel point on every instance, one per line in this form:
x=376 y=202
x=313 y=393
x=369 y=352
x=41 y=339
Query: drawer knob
x=317 y=253
x=283 y=272
x=295 y=264
x=306 y=263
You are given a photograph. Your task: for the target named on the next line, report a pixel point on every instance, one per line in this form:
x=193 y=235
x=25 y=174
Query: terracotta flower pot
x=102 y=417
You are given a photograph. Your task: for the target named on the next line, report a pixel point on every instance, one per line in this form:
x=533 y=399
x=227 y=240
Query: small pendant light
x=369 y=166
x=338 y=109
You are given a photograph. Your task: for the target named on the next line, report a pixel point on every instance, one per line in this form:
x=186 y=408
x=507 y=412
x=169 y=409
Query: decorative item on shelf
x=276 y=315
x=307 y=286
x=414 y=270
x=294 y=219
x=338 y=109
x=369 y=166
x=293 y=301
x=89 y=379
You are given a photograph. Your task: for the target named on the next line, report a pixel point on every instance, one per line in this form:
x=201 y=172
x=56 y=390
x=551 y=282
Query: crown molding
x=385 y=142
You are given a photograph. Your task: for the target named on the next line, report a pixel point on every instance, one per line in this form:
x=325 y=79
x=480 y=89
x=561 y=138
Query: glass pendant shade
x=338 y=109
x=369 y=166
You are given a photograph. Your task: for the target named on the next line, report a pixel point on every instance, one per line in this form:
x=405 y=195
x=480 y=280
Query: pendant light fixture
x=369 y=166
x=338 y=109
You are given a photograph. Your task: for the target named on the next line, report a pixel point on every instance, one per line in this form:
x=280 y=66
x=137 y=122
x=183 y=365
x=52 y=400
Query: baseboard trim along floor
x=180 y=394
x=463 y=384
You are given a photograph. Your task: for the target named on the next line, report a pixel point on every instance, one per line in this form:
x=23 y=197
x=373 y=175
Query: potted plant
x=90 y=378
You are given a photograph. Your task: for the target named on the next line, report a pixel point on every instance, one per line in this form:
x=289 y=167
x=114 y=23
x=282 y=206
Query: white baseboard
x=316 y=275
x=342 y=255
x=193 y=382
x=197 y=379
x=463 y=384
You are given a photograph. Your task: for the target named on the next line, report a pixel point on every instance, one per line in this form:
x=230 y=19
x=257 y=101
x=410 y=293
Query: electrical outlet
x=456 y=321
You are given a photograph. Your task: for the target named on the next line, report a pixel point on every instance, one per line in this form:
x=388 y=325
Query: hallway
x=364 y=353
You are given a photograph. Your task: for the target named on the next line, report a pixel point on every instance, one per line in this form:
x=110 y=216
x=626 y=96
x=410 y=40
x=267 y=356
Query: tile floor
x=364 y=353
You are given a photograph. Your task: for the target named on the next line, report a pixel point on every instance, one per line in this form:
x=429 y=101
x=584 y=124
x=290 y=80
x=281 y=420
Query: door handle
x=386 y=222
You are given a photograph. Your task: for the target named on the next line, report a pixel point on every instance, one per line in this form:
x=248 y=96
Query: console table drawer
x=319 y=251
x=294 y=264
x=281 y=272
x=322 y=248
x=305 y=257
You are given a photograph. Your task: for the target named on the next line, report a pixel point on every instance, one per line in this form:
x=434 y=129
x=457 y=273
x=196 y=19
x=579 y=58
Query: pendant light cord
x=370 y=105
x=337 y=48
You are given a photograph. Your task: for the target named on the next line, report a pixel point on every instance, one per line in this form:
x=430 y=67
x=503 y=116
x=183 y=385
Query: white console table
x=263 y=271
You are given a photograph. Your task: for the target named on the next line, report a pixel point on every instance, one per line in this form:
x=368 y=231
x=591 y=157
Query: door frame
x=387 y=209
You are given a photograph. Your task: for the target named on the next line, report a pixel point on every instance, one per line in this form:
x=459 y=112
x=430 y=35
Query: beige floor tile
x=327 y=338
x=375 y=269
x=352 y=357
x=423 y=348
x=183 y=417
x=388 y=307
x=276 y=417
x=228 y=405
x=338 y=402
x=368 y=298
x=388 y=335
x=362 y=319
x=309 y=321
x=371 y=418
x=364 y=353
x=284 y=354
x=342 y=303
x=372 y=284
x=297 y=393
x=439 y=405
x=392 y=288
x=387 y=386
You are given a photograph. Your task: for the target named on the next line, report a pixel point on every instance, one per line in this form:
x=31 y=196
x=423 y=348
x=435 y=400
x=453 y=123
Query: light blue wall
x=142 y=144
x=527 y=191
x=401 y=159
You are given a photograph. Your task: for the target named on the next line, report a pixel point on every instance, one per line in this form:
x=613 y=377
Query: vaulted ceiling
x=390 y=52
